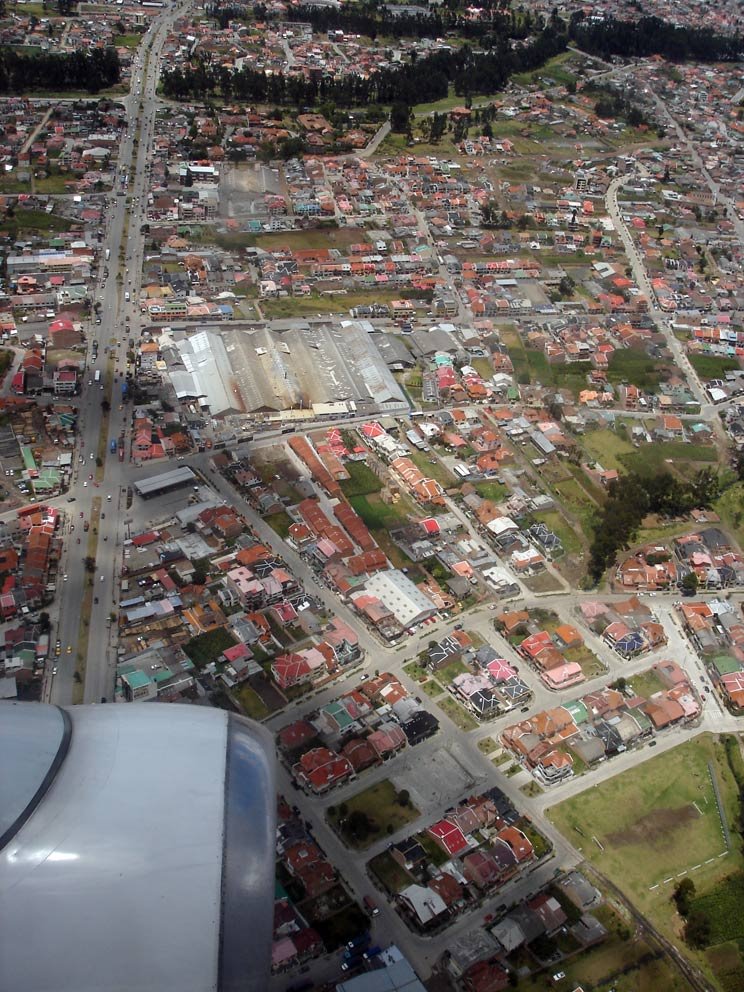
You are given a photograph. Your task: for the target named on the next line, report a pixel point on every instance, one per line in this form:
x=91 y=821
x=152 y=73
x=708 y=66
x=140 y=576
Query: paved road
x=122 y=238
x=643 y=282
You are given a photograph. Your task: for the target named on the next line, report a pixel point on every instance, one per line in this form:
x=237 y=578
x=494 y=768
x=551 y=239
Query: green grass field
x=327 y=236
x=635 y=366
x=379 y=805
x=590 y=664
x=492 y=490
x=619 y=964
x=127 y=40
x=451 y=671
x=713 y=367
x=362 y=480
x=308 y=306
x=457 y=714
x=54 y=183
x=433 y=470
x=607 y=448
x=655 y=821
x=37 y=220
x=279 y=522
x=646 y=683
x=389 y=873
x=578 y=501
x=252 y=704
x=730 y=508
x=208 y=647
x=378 y=515
x=556 y=522
x=652 y=458
x=557 y=69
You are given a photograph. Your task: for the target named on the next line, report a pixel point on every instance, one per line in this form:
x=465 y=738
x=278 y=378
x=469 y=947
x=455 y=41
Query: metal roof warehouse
x=165 y=481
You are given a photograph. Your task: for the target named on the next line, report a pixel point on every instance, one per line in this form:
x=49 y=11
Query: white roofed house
x=423 y=904
x=405 y=601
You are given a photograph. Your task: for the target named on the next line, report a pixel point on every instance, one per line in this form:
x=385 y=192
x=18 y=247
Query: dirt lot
x=655 y=827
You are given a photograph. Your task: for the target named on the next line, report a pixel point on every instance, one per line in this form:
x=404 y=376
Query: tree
x=359 y=824
x=105 y=406
x=697 y=931
x=89 y=564
x=683 y=895
x=400 y=114
x=706 y=487
x=44 y=623
x=690 y=584
x=403 y=798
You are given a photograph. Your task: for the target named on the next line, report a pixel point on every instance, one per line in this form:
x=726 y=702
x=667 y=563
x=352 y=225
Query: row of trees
x=91 y=71
x=419 y=81
x=633 y=496
x=501 y=53
x=654 y=36
x=380 y=20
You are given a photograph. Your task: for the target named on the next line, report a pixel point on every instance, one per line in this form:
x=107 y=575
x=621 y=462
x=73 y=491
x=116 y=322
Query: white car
x=91 y=456
x=85 y=484
x=103 y=577
x=64 y=578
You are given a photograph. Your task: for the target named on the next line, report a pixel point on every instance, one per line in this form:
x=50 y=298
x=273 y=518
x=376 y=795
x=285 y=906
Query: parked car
x=371 y=906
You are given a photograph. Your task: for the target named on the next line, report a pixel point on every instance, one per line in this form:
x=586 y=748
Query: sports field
x=655 y=821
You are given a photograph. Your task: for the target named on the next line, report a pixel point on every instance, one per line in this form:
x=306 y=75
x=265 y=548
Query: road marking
x=652 y=887
x=709 y=861
x=695 y=867
x=682 y=873
x=667 y=880
x=723 y=854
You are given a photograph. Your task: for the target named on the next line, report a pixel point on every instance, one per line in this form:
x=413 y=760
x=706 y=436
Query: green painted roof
x=725 y=664
x=339 y=714
x=138 y=680
x=577 y=710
